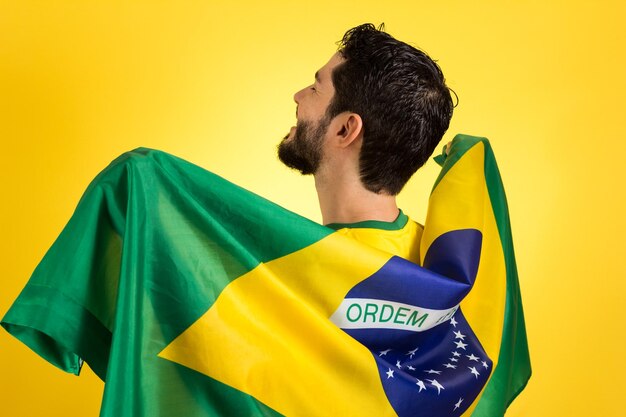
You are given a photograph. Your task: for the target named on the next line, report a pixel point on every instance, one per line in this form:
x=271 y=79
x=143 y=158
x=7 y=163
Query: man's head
x=398 y=92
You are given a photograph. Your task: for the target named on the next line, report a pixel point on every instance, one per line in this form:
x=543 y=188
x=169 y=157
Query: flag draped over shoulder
x=190 y=296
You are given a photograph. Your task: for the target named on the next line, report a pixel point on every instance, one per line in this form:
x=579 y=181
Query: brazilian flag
x=190 y=296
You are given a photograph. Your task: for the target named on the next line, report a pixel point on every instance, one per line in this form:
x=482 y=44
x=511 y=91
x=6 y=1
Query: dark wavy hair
x=400 y=94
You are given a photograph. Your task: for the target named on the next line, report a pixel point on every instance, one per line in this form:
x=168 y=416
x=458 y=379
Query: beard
x=303 y=152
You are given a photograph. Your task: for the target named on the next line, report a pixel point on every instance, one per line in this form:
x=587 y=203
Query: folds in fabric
x=191 y=296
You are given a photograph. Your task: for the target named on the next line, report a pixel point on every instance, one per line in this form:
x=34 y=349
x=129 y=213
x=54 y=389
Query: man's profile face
x=302 y=148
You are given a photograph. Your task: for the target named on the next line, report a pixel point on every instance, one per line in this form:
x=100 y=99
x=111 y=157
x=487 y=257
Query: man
x=371 y=119
x=373 y=116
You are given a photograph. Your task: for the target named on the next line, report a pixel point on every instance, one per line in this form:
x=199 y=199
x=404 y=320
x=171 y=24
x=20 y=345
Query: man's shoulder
x=400 y=241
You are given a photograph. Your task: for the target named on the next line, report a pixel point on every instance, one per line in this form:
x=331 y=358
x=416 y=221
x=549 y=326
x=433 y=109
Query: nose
x=298 y=95
x=296 y=98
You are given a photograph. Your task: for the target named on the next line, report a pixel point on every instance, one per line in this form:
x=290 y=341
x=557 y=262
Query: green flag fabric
x=190 y=296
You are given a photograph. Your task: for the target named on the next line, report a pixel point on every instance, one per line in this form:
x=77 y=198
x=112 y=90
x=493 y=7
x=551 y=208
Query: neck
x=349 y=202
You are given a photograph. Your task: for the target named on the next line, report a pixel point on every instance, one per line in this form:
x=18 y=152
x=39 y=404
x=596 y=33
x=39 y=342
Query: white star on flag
x=390 y=373
x=432 y=371
x=458 y=404
x=398 y=364
x=449 y=365
x=453 y=322
x=455 y=353
x=460 y=345
x=453 y=359
x=471 y=357
x=384 y=352
x=420 y=384
x=411 y=368
x=459 y=335
x=412 y=353
x=436 y=385
x=474 y=371
x=485 y=364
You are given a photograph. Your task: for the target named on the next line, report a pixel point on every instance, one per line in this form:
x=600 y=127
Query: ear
x=348 y=128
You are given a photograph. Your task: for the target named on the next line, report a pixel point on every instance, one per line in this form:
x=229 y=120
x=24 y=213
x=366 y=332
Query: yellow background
x=212 y=82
